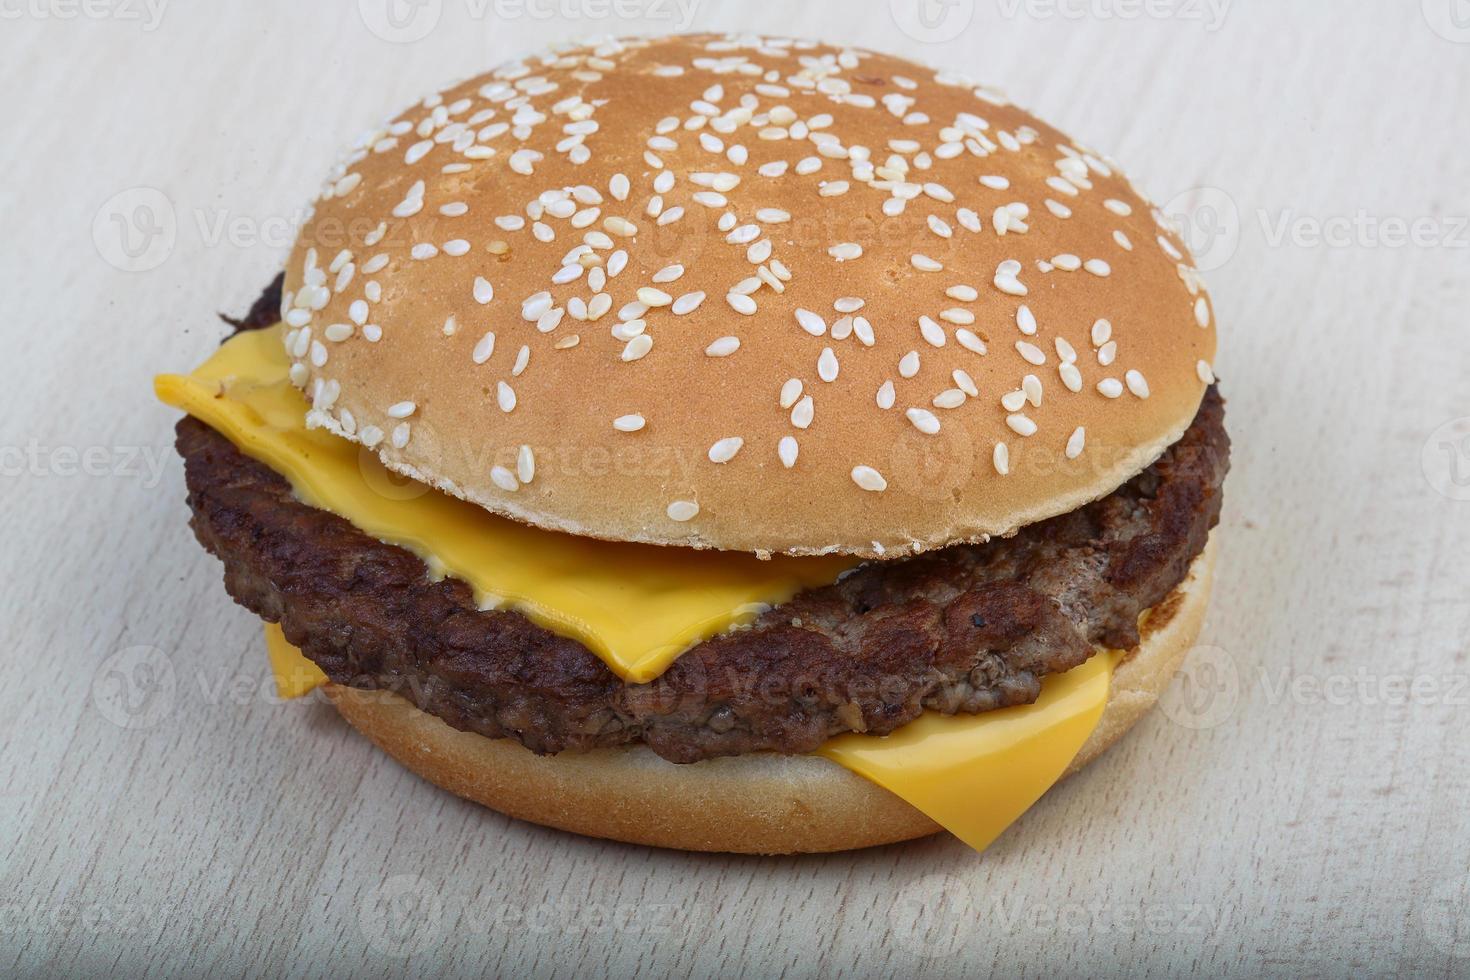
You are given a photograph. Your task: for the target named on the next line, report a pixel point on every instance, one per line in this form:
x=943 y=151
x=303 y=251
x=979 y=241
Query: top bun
x=745 y=293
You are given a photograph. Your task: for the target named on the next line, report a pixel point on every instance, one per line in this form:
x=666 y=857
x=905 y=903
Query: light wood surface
x=1300 y=807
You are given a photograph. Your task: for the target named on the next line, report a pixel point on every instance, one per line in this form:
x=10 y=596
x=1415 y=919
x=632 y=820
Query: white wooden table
x=1299 y=807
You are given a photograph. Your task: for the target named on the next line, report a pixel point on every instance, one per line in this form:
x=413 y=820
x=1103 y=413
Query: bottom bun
x=761 y=803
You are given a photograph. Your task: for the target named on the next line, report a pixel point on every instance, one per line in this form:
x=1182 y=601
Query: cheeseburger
x=722 y=442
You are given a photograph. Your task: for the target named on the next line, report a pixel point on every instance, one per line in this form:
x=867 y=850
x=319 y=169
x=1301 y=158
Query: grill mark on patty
x=964 y=629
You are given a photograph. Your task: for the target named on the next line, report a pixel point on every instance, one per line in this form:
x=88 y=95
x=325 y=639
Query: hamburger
x=723 y=443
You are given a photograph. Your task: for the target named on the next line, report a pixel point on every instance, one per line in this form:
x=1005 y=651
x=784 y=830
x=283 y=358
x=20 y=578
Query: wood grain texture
x=1298 y=808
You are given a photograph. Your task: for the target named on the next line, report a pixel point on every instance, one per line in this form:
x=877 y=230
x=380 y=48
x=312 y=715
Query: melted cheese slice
x=975 y=775
x=636 y=606
x=295 y=675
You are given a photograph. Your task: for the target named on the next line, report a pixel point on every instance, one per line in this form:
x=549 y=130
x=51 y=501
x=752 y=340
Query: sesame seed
x=1030 y=352
x=621 y=227
x=1120 y=208
x=811 y=322
x=908 y=365
x=886 y=395
x=1001 y=459
x=668 y=274
x=1021 y=425
x=523 y=357
x=505 y=396
x=637 y=347
x=1076 y=442
x=1067 y=262
x=969 y=340
x=1026 y=320
x=338 y=332
x=1136 y=383
x=1101 y=331
x=1071 y=377
x=1205 y=372
x=1110 y=387
x=924 y=263
x=725 y=449
x=848 y=304
x=651 y=297
x=965 y=383
x=863 y=330
x=1107 y=353
x=401 y=410
x=400 y=436
x=504 y=479
x=526 y=464
x=1031 y=386
x=1013 y=401
x=687 y=303
x=628 y=423
x=1202 y=312
x=1098 y=268
x=741 y=303
x=723 y=347
x=845 y=251
x=802 y=414
x=932 y=332
x=995 y=183
x=963 y=293
x=1065 y=351
x=923 y=420
x=682 y=510
x=483 y=349
x=949 y=398
x=787 y=449
x=484 y=292
x=827 y=365
x=869 y=479
x=957 y=315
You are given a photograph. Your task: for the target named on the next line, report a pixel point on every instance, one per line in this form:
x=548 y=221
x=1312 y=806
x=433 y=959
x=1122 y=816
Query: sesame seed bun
x=757 y=804
x=745 y=294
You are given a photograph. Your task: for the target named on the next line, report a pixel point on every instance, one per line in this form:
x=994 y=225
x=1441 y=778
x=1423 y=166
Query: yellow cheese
x=295 y=675
x=635 y=606
x=975 y=775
